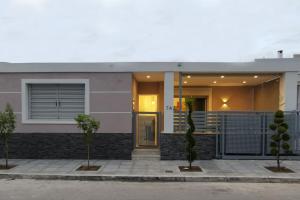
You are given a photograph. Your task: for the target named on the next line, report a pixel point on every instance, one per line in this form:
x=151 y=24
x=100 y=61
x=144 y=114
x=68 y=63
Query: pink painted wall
x=110 y=100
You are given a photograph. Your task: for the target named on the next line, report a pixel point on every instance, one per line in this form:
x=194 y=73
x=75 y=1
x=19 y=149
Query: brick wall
x=68 y=146
x=172 y=146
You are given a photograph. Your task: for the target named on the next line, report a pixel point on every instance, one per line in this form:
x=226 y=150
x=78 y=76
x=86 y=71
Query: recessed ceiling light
x=222 y=76
x=189 y=76
x=215 y=82
x=255 y=76
x=148 y=76
x=244 y=82
x=185 y=82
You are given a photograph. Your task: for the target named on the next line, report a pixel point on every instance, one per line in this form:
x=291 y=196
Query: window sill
x=33 y=121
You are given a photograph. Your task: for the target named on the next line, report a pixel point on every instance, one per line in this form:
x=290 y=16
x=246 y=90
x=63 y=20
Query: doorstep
x=145 y=154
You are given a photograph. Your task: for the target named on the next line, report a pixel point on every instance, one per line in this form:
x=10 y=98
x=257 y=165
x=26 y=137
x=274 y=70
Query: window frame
x=25 y=99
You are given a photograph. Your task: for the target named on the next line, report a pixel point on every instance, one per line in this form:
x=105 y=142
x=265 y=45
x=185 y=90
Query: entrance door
x=147 y=122
x=146 y=129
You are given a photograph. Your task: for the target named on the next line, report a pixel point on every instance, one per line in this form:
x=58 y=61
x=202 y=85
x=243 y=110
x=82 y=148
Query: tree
x=191 y=154
x=280 y=137
x=7 y=127
x=89 y=127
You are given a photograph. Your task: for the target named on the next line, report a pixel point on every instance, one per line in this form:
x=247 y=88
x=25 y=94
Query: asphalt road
x=90 y=190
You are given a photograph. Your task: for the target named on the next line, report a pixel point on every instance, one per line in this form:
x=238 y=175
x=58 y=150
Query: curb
x=231 y=179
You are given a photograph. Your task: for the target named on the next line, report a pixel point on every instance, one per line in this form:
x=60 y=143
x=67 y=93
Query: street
x=90 y=190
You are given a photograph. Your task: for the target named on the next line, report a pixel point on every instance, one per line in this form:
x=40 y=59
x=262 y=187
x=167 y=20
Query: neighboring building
x=139 y=104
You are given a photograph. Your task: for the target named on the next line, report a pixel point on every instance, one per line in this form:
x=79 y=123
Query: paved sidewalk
x=213 y=170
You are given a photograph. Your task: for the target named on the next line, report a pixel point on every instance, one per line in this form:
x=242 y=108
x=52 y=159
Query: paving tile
x=233 y=168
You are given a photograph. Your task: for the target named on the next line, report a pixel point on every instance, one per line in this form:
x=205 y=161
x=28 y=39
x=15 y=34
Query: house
x=141 y=106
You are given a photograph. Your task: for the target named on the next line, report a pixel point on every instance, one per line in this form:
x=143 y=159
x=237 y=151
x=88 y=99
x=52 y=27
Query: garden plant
x=190 y=141
x=280 y=138
x=191 y=154
x=89 y=127
x=7 y=127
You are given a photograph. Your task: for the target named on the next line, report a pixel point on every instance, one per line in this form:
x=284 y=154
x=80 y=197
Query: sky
x=147 y=30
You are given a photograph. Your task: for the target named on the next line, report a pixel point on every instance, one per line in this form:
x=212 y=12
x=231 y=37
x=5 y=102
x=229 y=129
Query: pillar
x=288 y=91
x=168 y=102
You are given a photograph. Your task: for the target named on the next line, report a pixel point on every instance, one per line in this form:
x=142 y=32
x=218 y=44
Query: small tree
x=280 y=137
x=7 y=127
x=89 y=127
x=191 y=154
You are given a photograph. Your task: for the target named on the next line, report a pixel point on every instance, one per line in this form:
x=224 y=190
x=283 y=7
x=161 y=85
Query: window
x=47 y=102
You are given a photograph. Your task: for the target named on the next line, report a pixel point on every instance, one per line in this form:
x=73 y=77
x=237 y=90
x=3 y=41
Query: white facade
x=258 y=65
x=288 y=91
x=168 y=102
x=288 y=68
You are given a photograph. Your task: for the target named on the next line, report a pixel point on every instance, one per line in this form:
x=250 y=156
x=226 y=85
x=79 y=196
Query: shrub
x=280 y=137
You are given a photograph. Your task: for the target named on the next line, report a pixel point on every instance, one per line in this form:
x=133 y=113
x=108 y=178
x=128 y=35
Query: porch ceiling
x=226 y=79
x=209 y=79
x=149 y=76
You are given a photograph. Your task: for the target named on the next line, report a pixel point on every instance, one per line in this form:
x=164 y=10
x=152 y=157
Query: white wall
x=168 y=102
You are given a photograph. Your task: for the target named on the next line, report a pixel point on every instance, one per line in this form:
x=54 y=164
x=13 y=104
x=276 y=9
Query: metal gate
x=242 y=135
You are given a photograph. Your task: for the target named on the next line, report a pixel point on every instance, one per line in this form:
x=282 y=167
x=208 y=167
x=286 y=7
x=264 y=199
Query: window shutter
x=70 y=100
x=42 y=101
x=55 y=101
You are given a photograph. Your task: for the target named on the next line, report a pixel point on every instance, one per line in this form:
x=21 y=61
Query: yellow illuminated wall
x=147 y=103
x=177 y=104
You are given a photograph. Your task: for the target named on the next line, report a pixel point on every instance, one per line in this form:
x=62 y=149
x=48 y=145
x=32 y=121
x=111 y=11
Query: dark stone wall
x=172 y=146
x=69 y=146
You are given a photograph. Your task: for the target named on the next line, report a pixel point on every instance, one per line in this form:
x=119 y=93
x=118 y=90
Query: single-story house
x=141 y=106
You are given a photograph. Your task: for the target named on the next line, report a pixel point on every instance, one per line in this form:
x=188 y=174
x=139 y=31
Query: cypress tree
x=191 y=154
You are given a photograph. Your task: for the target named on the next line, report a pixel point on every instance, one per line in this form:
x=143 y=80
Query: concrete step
x=145 y=154
x=147 y=151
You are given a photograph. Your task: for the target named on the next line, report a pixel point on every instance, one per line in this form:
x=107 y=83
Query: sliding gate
x=241 y=134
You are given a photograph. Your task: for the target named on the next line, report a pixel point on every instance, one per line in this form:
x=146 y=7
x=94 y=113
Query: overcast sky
x=147 y=30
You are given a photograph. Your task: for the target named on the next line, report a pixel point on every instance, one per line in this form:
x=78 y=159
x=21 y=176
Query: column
x=168 y=102
x=288 y=91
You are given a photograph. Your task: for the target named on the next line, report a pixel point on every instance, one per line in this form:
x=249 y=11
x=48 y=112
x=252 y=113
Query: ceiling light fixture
x=189 y=76
x=244 y=82
x=185 y=82
x=255 y=76
x=222 y=76
x=215 y=82
x=148 y=76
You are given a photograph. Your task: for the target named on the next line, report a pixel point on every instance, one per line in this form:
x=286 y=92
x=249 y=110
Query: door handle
x=57 y=103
